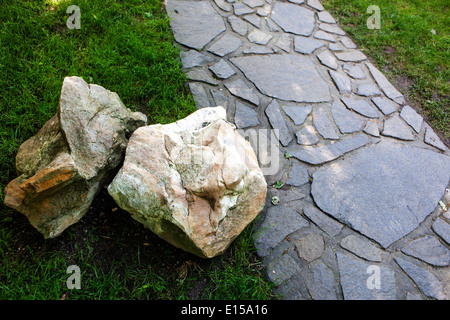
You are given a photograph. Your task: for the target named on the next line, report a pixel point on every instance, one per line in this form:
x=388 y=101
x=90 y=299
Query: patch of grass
x=126 y=47
x=413 y=57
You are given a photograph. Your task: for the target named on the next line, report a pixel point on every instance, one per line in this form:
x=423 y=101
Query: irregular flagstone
x=324 y=222
x=322 y=35
x=307 y=136
x=285 y=77
x=259 y=37
x=263 y=12
x=353 y=71
x=351 y=56
x=253 y=19
x=397 y=128
x=368 y=90
x=328 y=59
x=239 y=26
x=315 y=4
x=194 y=23
x=309 y=246
x=199 y=94
x=254 y=3
x=245 y=116
x=388 y=89
x=240 y=89
x=279 y=222
x=193 y=58
x=325 y=16
x=225 y=45
x=298 y=175
x=225 y=6
x=425 y=280
x=385 y=105
x=322 y=284
x=361 y=106
x=335 y=47
x=219 y=97
x=272 y=26
x=430 y=250
x=442 y=229
x=324 y=125
x=360 y=190
x=306 y=45
x=362 y=248
x=282 y=269
x=342 y=82
x=356 y=282
x=201 y=75
x=346 y=120
x=348 y=43
x=241 y=9
x=293 y=18
x=222 y=69
x=372 y=129
x=323 y=154
x=297 y=114
x=277 y=122
x=258 y=50
x=284 y=42
x=412 y=118
x=432 y=139
x=332 y=28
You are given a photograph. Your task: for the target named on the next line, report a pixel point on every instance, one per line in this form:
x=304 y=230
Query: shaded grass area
x=412 y=48
x=126 y=47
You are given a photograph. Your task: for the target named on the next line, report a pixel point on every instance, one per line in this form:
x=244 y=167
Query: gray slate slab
x=324 y=222
x=362 y=247
x=412 y=118
x=297 y=114
x=360 y=190
x=395 y=127
x=326 y=17
x=222 y=69
x=238 y=25
x=372 y=129
x=245 y=116
x=324 y=125
x=332 y=28
x=193 y=58
x=321 y=283
x=307 y=136
x=307 y=45
x=430 y=250
x=442 y=228
x=240 y=89
x=225 y=45
x=285 y=77
x=389 y=90
x=199 y=94
x=353 y=71
x=351 y=56
x=277 y=121
x=346 y=120
x=323 y=154
x=194 y=23
x=432 y=139
x=425 y=280
x=361 y=106
x=328 y=59
x=342 y=81
x=385 y=105
x=298 y=175
x=322 y=35
x=293 y=18
x=368 y=90
x=259 y=37
x=282 y=269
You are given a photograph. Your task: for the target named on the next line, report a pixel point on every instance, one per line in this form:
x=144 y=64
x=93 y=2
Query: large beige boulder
x=196 y=182
x=63 y=166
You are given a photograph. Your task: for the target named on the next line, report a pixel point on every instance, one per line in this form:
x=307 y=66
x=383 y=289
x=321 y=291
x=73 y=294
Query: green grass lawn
x=126 y=47
x=412 y=48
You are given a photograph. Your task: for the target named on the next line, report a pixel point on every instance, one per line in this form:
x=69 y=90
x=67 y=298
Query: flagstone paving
x=363 y=212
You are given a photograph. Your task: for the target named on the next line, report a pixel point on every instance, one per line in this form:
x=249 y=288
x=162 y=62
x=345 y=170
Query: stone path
x=363 y=210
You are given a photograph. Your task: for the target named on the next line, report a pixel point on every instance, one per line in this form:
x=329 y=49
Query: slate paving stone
x=356 y=282
x=332 y=28
x=315 y=4
x=348 y=43
x=238 y=25
x=225 y=45
x=280 y=221
x=429 y=250
x=193 y=58
x=442 y=229
x=322 y=154
x=194 y=23
x=259 y=37
x=412 y=118
x=324 y=222
x=220 y=98
x=199 y=94
x=298 y=175
x=284 y=42
x=307 y=45
x=342 y=82
x=324 y=125
x=325 y=16
x=258 y=50
x=307 y=136
x=353 y=71
x=201 y=75
x=395 y=127
x=361 y=106
x=322 y=35
x=282 y=269
x=309 y=246
x=346 y=120
x=254 y=3
x=297 y=1
x=245 y=116
x=368 y=90
x=241 y=90
x=360 y=190
x=432 y=139
x=263 y=12
x=272 y=26
x=222 y=69
x=254 y=20
x=297 y=114
x=335 y=47
x=329 y=60
x=293 y=18
x=322 y=284
x=389 y=90
x=225 y=6
x=362 y=247
x=285 y=77
x=241 y=9
x=372 y=129
x=426 y=281
x=277 y=121
x=351 y=56
x=385 y=105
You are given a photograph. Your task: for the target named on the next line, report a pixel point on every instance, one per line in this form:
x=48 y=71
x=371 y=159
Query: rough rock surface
x=196 y=182
x=63 y=166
